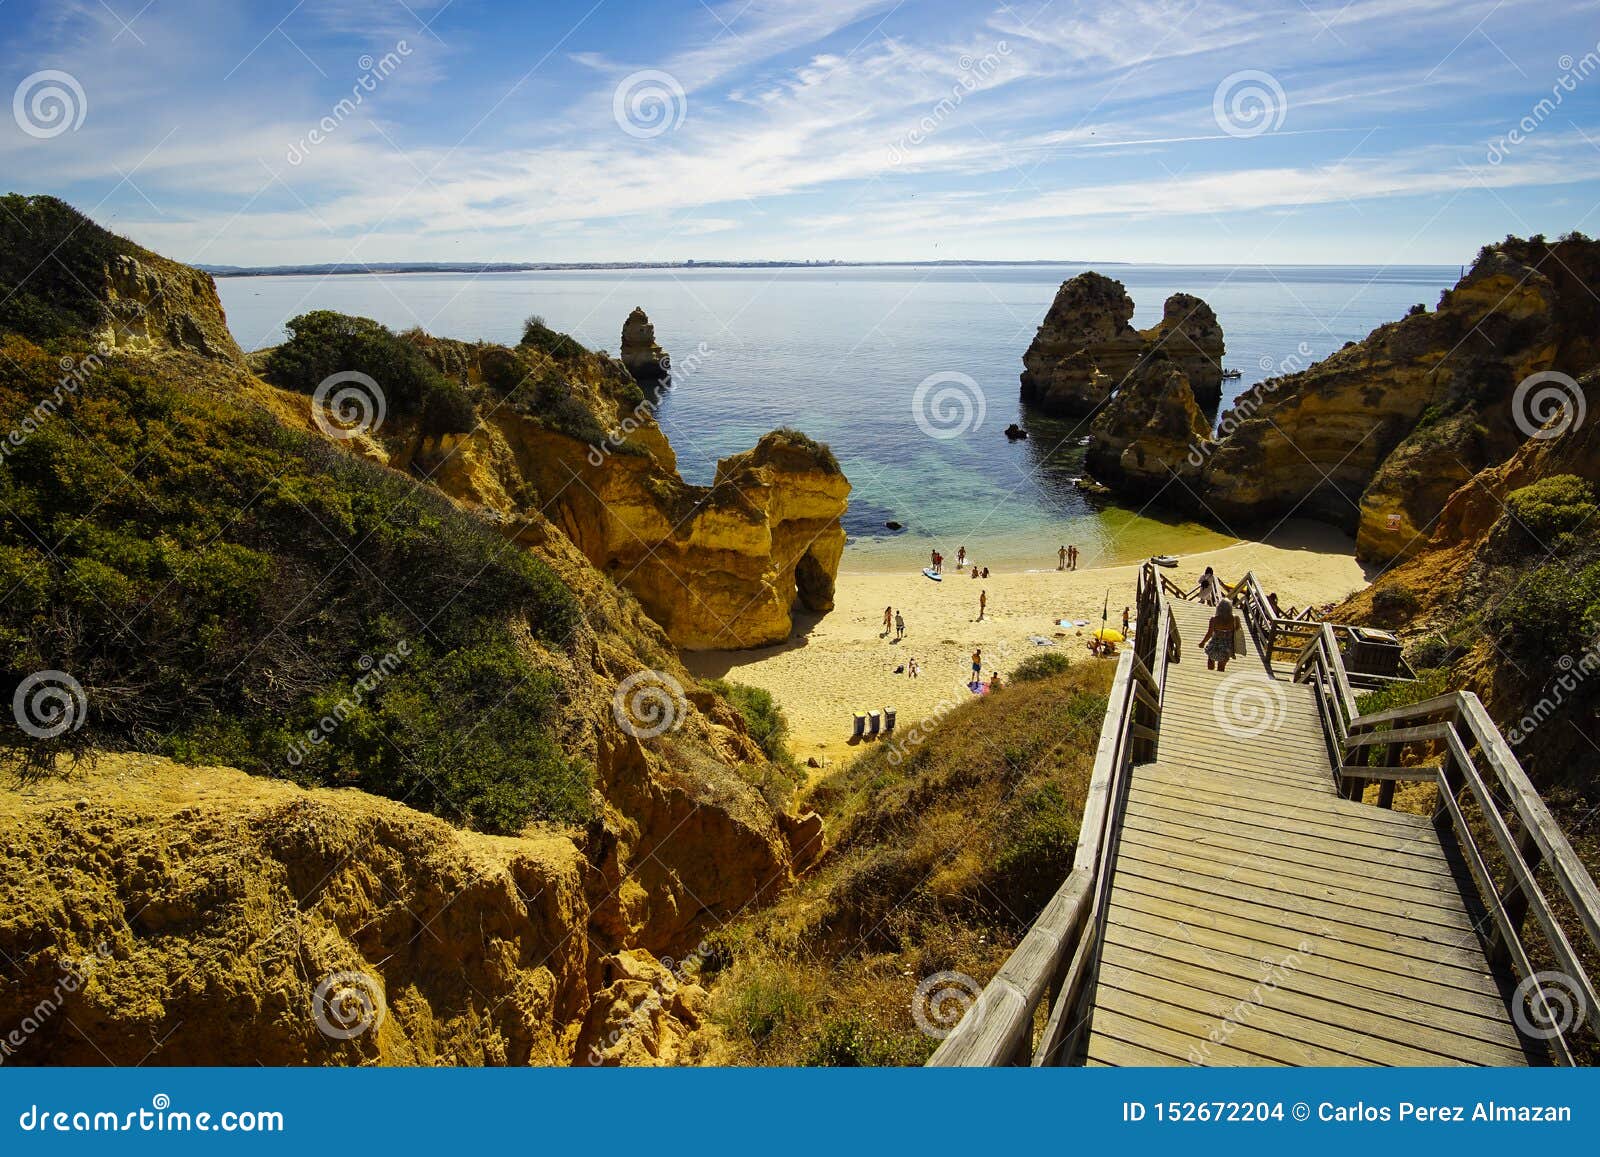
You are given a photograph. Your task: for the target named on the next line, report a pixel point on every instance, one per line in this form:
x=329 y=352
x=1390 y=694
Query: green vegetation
x=45 y=285
x=762 y=716
x=537 y=335
x=1552 y=611
x=795 y=440
x=944 y=845
x=323 y=343
x=1552 y=507
x=222 y=586
x=1041 y=665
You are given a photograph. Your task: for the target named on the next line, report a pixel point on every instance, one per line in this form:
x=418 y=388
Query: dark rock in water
x=649 y=364
x=1015 y=432
x=892 y=525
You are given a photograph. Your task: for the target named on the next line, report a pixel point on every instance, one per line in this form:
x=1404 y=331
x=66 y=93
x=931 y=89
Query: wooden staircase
x=1256 y=917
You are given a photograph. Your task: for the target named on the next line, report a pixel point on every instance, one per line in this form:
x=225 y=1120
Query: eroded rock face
x=1086 y=347
x=1191 y=336
x=1144 y=435
x=1377 y=436
x=649 y=364
x=1083 y=348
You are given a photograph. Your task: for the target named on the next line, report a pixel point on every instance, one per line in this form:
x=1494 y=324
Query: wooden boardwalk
x=1256 y=918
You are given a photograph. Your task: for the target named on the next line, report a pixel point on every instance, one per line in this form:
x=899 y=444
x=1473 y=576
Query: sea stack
x=649 y=364
x=1191 y=336
x=1086 y=346
x=1145 y=434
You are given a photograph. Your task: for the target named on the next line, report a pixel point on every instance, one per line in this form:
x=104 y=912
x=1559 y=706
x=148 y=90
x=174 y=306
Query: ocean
x=909 y=373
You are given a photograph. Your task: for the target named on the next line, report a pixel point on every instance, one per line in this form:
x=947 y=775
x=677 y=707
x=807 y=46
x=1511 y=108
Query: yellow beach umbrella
x=1109 y=635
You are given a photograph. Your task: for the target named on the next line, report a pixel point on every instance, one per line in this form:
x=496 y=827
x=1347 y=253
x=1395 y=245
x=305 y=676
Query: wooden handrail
x=1059 y=954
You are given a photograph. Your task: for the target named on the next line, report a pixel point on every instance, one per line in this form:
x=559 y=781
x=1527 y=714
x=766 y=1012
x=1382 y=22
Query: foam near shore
x=843 y=663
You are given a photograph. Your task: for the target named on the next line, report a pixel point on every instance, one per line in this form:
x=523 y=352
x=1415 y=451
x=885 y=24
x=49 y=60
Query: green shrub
x=1041 y=665
x=1038 y=855
x=1552 y=506
x=855 y=1040
x=762 y=997
x=323 y=343
x=1552 y=611
x=537 y=335
x=1394 y=605
x=220 y=584
x=762 y=717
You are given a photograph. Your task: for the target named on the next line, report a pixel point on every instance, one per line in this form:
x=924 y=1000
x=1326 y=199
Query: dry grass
x=941 y=853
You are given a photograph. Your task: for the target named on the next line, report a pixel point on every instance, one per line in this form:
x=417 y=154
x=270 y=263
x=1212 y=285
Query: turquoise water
x=840 y=353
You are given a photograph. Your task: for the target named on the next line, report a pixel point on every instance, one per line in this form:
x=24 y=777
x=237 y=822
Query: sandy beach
x=841 y=662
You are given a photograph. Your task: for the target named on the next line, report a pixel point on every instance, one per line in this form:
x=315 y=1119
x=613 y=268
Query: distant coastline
x=556 y=266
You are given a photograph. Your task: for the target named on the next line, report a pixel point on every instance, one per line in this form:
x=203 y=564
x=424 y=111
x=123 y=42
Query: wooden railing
x=1282 y=639
x=1442 y=734
x=1058 y=956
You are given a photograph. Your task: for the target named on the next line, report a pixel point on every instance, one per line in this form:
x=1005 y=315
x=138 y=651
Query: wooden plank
x=1428 y=774
x=1258 y=885
x=1386 y=875
x=1106 y=1050
x=1270 y=798
x=1191 y=763
x=1360 y=889
x=1447 y=704
x=1337 y=987
x=1160 y=915
x=1206 y=1032
x=1114 y=1024
x=1430 y=732
x=1429 y=945
x=1323 y=839
x=1287 y=1023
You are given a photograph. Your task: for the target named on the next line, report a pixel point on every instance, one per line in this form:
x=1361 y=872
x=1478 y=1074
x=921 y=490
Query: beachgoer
x=912 y=668
x=974 y=572
x=938 y=563
x=1208 y=588
x=1062 y=556
x=961 y=557
x=985 y=572
x=983 y=603
x=1218 y=643
x=1272 y=601
x=899 y=625
x=977 y=664
x=933 y=560
x=888 y=617
x=1072 y=558
x=994 y=680
x=1126 y=620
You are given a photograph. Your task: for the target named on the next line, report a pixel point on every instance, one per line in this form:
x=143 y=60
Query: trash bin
x=861 y=725
x=1373 y=652
x=873 y=722
x=888 y=720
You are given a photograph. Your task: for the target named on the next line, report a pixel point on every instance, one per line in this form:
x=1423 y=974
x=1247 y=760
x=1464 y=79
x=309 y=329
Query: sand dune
x=841 y=662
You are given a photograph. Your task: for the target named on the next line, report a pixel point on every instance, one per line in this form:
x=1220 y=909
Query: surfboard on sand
x=931 y=573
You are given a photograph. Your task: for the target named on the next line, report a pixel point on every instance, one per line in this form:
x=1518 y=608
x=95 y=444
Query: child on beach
x=911 y=667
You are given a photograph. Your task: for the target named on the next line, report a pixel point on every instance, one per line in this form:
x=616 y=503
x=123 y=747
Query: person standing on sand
x=983 y=603
x=1126 y=619
x=961 y=558
x=888 y=617
x=977 y=665
x=899 y=626
x=1062 y=556
x=911 y=667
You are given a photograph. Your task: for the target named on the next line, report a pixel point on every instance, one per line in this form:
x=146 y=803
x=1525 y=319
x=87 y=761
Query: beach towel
x=1041 y=641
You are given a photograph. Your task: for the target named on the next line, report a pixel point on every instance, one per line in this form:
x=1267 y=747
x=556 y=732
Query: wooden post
x=1386 y=789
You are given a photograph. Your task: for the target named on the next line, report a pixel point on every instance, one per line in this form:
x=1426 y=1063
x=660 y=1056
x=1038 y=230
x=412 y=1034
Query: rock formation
x=1191 y=336
x=1143 y=436
x=1085 y=346
x=649 y=364
x=1377 y=436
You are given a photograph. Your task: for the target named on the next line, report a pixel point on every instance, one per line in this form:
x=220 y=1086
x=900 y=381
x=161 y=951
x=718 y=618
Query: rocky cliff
x=1086 y=346
x=533 y=695
x=649 y=364
x=1378 y=436
x=1142 y=437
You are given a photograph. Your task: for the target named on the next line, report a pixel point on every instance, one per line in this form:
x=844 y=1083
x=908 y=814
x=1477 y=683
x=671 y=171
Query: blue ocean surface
x=840 y=353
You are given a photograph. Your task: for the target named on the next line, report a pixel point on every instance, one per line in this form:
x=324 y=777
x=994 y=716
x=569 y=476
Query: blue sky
x=1144 y=130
